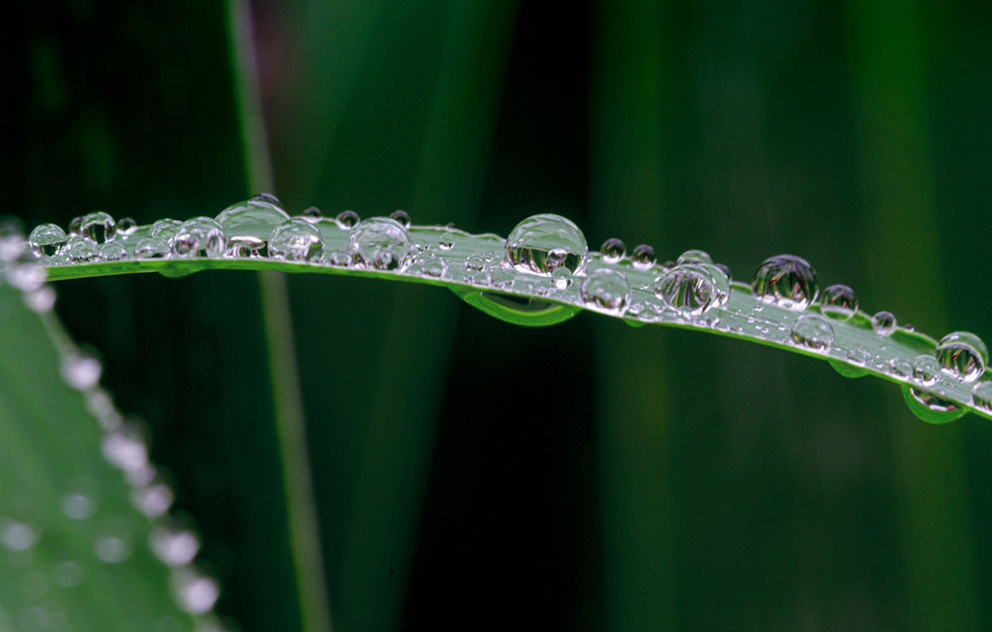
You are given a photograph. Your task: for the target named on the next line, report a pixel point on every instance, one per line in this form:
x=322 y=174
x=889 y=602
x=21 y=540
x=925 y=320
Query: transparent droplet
x=79 y=250
x=901 y=367
x=542 y=243
x=693 y=288
x=725 y=269
x=174 y=545
x=199 y=237
x=194 y=592
x=126 y=226
x=519 y=310
x=151 y=248
x=81 y=370
x=433 y=267
x=111 y=549
x=255 y=218
x=926 y=370
x=338 y=258
x=165 y=228
x=962 y=355
x=475 y=263
x=77 y=506
x=40 y=300
x=884 y=323
x=17 y=536
x=846 y=369
x=379 y=243
x=607 y=289
x=813 y=332
x=98 y=227
x=838 y=302
x=47 y=240
x=446 y=242
x=245 y=247
x=26 y=276
x=562 y=278
x=402 y=217
x=981 y=396
x=295 y=240
x=266 y=197
x=113 y=251
x=613 y=250
x=786 y=281
x=694 y=256
x=643 y=257
x=347 y=219
x=930 y=407
x=125 y=449
x=153 y=499
x=311 y=213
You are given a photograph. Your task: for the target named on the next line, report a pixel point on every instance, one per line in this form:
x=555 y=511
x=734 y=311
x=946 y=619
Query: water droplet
x=446 y=242
x=613 y=250
x=77 y=506
x=338 y=258
x=519 y=310
x=643 y=257
x=245 y=247
x=16 y=536
x=79 y=250
x=98 y=227
x=125 y=449
x=47 y=240
x=693 y=288
x=475 y=263
x=199 y=237
x=40 y=300
x=884 y=323
x=926 y=370
x=402 y=217
x=931 y=408
x=252 y=218
x=962 y=355
x=113 y=251
x=295 y=240
x=847 y=370
x=434 y=267
x=542 y=243
x=311 y=212
x=153 y=499
x=165 y=228
x=379 y=243
x=607 y=289
x=12 y=242
x=813 y=332
x=194 y=592
x=725 y=269
x=173 y=544
x=111 y=549
x=347 y=219
x=786 y=281
x=562 y=278
x=26 y=276
x=901 y=367
x=151 y=248
x=838 y=302
x=266 y=197
x=694 y=256
x=126 y=226
x=81 y=370
x=981 y=396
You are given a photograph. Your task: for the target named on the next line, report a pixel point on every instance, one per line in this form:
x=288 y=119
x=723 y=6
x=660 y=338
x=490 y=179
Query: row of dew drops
x=545 y=246
x=172 y=539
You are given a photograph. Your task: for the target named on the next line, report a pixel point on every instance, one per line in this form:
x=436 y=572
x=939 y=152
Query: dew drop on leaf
x=542 y=243
x=607 y=289
x=199 y=237
x=295 y=240
x=962 y=355
x=813 y=332
x=693 y=288
x=252 y=218
x=613 y=250
x=380 y=243
x=347 y=219
x=884 y=323
x=402 y=217
x=981 y=396
x=643 y=257
x=838 y=302
x=694 y=256
x=931 y=408
x=926 y=370
x=786 y=281
x=47 y=240
x=98 y=227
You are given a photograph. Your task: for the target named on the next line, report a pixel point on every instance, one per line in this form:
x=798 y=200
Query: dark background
x=471 y=474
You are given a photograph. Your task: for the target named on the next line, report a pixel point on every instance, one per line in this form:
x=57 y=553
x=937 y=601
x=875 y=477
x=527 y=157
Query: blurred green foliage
x=470 y=473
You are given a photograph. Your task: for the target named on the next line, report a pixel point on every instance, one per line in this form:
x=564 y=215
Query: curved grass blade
x=546 y=287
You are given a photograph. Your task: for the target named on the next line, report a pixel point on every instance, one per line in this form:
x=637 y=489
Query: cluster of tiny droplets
x=123 y=447
x=545 y=256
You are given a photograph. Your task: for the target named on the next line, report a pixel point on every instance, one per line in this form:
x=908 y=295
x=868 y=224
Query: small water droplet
x=126 y=226
x=77 y=506
x=173 y=544
x=901 y=367
x=475 y=262
x=311 y=212
x=402 y=217
x=79 y=250
x=542 y=243
x=434 y=267
x=40 y=300
x=347 y=219
x=693 y=288
x=12 y=242
x=153 y=499
x=98 y=227
x=81 y=370
x=884 y=323
x=16 y=536
x=962 y=355
x=562 y=278
x=930 y=407
x=245 y=247
x=981 y=396
x=151 y=248
x=847 y=370
x=926 y=370
x=786 y=281
x=165 y=228
x=26 y=276
x=295 y=240
x=338 y=258
x=113 y=251
x=47 y=240
x=643 y=257
x=125 y=449
x=194 y=592
x=613 y=250
x=199 y=237
x=446 y=242
x=694 y=256
x=813 y=332
x=838 y=302
x=379 y=243
x=111 y=549
x=607 y=289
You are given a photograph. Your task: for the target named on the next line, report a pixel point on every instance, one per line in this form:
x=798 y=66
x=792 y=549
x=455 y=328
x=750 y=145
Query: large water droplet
x=612 y=250
x=693 y=288
x=884 y=323
x=165 y=228
x=199 y=237
x=295 y=240
x=380 y=243
x=787 y=281
x=252 y=218
x=47 y=240
x=694 y=256
x=606 y=289
x=838 y=302
x=245 y=246
x=98 y=227
x=542 y=243
x=962 y=355
x=151 y=248
x=930 y=407
x=79 y=250
x=268 y=198
x=813 y=332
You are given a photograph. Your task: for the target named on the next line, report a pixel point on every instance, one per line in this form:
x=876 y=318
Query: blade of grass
x=300 y=503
